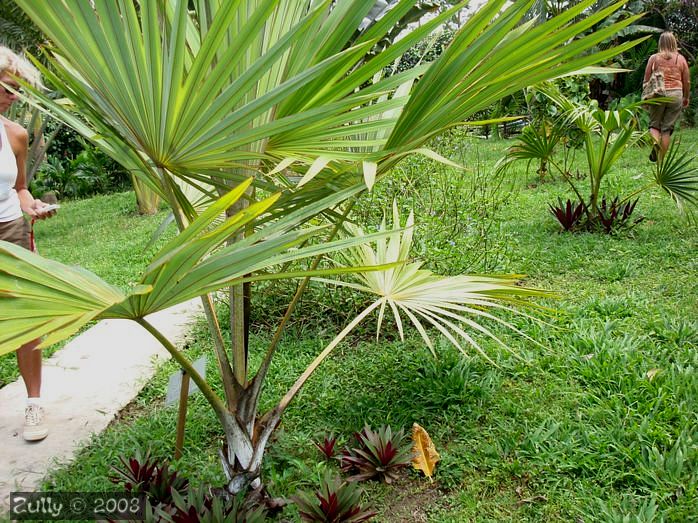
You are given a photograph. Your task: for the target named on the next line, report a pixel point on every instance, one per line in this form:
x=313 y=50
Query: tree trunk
x=147 y=200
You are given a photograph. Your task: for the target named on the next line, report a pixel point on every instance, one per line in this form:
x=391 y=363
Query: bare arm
x=685 y=82
x=19 y=140
x=648 y=69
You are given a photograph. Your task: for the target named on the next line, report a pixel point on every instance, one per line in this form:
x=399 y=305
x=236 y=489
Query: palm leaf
x=678 y=176
x=232 y=87
x=446 y=303
x=40 y=297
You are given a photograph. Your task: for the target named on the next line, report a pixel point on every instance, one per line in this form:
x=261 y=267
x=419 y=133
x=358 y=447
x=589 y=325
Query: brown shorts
x=663 y=116
x=17 y=232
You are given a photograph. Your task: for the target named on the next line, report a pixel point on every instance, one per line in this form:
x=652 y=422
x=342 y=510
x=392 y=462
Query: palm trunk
x=147 y=200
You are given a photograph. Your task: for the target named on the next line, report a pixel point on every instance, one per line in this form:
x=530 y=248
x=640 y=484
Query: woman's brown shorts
x=663 y=116
x=17 y=232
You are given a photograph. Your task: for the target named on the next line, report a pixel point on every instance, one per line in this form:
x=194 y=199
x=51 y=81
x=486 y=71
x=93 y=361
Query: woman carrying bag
x=677 y=85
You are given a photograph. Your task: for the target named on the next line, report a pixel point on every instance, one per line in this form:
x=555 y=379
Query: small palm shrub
x=334 y=502
x=378 y=455
x=606 y=135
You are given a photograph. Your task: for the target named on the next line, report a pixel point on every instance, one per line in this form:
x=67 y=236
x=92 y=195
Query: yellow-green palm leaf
x=453 y=305
x=40 y=297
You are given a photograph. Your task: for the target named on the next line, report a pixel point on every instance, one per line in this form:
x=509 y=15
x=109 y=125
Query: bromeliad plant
x=200 y=505
x=378 y=455
x=280 y=113
x=151 y=476
x=334 y=502
x=327 y=446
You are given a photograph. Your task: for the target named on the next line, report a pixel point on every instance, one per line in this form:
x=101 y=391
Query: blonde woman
x=15 y=202
x=678 y=86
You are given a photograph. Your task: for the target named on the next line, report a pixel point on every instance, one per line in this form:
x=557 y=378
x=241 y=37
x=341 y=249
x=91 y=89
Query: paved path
x=85 y=385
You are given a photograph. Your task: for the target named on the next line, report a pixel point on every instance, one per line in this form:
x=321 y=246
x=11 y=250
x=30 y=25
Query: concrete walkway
x=85 y=385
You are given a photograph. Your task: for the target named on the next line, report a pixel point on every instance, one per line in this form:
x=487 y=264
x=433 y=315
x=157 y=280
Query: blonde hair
x=11 y=62
x=667 y=43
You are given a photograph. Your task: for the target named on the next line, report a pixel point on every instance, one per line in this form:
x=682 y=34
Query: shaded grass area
x=105 y=235
x=599 y=425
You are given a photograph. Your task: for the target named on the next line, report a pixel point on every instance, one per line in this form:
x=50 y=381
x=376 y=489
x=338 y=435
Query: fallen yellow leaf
x=425 y=455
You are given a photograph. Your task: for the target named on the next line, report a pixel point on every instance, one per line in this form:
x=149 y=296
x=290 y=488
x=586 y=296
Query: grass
x=600 y=425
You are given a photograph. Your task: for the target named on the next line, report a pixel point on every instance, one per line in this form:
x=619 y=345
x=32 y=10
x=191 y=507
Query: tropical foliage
x=335 y=501
x=275 y=107
x=379 y=454
x=606 y=136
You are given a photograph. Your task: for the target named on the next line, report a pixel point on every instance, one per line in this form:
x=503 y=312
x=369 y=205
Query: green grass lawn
x=599 y=424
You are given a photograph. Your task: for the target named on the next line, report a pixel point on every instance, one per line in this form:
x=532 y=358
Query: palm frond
x=453 y=305
x=678 y=175
x=43 y=298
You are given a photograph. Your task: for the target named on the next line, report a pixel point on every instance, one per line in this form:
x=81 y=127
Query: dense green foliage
x=599 y=424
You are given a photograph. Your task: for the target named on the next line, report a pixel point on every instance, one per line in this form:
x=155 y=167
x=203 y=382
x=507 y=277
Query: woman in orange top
x=677 y=84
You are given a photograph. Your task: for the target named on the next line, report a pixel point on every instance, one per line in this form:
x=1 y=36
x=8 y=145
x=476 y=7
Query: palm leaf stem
x=259 y=378
x=212 y=398
x=568 y=179
x=637 y=192
x=229 y=383
x=224 y=366
x=270 y=418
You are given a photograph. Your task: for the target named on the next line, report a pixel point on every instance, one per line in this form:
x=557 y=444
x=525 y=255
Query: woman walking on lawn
x=678 y=87
x=16 y=199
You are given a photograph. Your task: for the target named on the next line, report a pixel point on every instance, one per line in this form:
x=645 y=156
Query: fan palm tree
x=273 y=109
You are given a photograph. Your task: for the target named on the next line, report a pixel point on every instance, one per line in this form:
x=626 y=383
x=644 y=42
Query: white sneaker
x=34 y=426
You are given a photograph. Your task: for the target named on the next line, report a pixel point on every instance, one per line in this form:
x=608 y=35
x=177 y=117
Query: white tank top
x=9 y=201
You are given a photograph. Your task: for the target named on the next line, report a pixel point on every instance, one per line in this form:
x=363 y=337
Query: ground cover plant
x=600 y=425
x=279 y=112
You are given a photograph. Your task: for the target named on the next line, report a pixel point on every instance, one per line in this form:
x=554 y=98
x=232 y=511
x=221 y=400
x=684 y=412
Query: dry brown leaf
x=425 y=455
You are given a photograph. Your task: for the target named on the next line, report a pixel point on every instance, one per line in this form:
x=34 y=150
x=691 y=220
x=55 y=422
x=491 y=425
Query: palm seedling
x=607 y=135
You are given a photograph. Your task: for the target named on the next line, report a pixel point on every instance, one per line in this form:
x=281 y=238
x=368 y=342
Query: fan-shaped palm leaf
x=677 y=175
x=453 y=305
x=42 y=297
x=229 y=88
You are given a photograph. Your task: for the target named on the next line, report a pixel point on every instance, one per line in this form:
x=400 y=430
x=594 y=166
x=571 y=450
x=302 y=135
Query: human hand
x=42 y=210
x=685 y=102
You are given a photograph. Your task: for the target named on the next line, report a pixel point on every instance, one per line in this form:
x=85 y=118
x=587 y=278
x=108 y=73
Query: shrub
x=150 y=476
